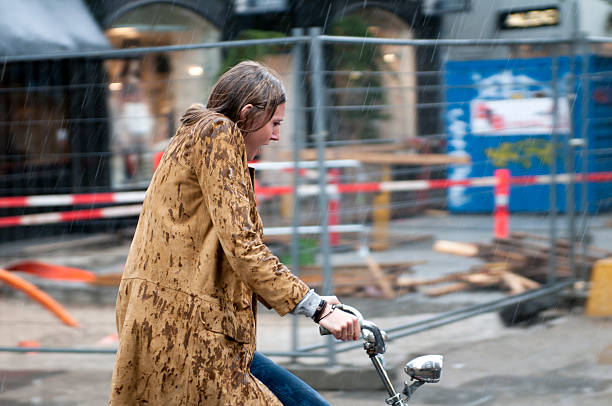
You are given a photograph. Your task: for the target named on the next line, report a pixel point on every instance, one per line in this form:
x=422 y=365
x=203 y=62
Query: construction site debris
x=362 y=279
x=516 y=264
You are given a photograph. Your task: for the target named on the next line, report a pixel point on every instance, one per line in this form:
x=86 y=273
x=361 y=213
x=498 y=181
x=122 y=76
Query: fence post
x=320 y=132
x=570 y=141
x=585 y=103
x=502 y=199
x=298 y=142
x=552 y=212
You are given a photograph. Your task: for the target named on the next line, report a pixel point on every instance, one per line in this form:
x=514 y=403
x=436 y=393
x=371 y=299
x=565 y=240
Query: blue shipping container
x=499 y=113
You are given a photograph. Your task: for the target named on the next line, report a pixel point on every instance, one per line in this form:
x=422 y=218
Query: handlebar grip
x=348 y=309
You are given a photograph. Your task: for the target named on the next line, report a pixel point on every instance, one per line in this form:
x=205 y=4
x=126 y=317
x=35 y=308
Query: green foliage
x=253 y=52
x=308 y=248
x=353 y=56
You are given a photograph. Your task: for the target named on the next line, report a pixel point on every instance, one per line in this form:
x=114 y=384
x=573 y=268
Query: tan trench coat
x=187 y=300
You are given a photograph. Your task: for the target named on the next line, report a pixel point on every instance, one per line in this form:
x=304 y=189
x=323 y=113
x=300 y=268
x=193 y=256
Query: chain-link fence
x=378 y=131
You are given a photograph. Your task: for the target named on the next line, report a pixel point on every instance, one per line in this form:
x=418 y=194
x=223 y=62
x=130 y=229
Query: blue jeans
x=288 y=388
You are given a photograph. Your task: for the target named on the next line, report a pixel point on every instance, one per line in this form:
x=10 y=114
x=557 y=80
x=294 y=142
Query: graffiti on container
x=522 y=152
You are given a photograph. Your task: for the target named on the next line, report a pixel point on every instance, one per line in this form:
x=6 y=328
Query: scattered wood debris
x=491 y=275
x=516 y=264
x=369 y=279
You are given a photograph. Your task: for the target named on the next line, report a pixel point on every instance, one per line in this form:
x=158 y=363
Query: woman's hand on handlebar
x=344 y=326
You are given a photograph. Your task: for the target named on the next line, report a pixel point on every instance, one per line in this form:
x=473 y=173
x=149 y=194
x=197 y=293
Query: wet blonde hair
x=248 y=82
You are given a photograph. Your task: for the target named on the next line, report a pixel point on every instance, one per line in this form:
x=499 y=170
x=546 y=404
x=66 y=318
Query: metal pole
x=320 y=133
x=298 y=142
x=553 y=169
x=570 y=157
x=75 y=129
x=383 y=375
x=584 y=165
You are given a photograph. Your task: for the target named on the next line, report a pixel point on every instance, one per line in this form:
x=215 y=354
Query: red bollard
x=333 y=207
x=501 y=212
x=157 y=159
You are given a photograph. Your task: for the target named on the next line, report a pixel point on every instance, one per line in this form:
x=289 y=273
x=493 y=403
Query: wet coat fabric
x=186 y=303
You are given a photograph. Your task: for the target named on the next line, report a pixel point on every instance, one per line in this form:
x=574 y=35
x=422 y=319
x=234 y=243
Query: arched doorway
x=374 y=75
x=374 y=90
x=149 y=93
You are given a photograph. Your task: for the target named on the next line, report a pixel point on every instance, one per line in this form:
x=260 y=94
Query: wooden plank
x=311 y=153
x=408 y=282
x=517 y=283
x=496 y=253
x=456 y=248
x=495 y=266
x=482 y=279
x=382 y=158
x=378 y=274
x=406 y=158
x=444 y=290
x=528 y=283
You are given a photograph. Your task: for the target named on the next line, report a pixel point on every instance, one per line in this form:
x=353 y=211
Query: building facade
x=110 y=115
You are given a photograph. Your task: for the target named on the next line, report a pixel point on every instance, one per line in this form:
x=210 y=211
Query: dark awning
x=32 y=27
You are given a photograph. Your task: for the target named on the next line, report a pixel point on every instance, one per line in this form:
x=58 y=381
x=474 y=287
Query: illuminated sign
x=259 y=6
x=531 y=18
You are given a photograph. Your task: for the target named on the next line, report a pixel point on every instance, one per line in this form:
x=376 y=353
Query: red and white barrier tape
x=134 y=210
x=501 y=212
x=414 y=185
x=72 y=200
x=306 y=190
x=68 y=216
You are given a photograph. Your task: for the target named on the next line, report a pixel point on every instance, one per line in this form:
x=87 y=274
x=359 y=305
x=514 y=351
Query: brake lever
x=378 y=346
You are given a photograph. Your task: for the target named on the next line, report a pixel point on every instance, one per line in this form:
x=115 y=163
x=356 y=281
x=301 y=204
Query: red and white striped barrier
x=305 y=190
x=68 y=216
x=415 y=185
x=72 y=200
x=502 y=199
x=264 y=191
x=134 y=210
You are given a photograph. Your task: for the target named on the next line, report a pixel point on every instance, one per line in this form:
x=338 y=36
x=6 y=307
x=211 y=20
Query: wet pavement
x=563 y=359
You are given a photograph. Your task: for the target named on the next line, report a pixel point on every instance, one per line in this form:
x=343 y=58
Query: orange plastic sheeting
x=50 y=271
x=41 y=297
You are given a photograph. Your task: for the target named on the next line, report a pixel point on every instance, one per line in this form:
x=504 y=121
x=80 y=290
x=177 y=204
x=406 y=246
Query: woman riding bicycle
x=187 y=302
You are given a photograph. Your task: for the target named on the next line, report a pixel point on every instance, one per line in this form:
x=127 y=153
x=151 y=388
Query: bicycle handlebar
x=369 y=331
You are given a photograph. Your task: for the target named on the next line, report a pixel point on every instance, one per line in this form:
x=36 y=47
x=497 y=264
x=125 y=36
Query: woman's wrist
x=316 y=317
x=327 y=312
